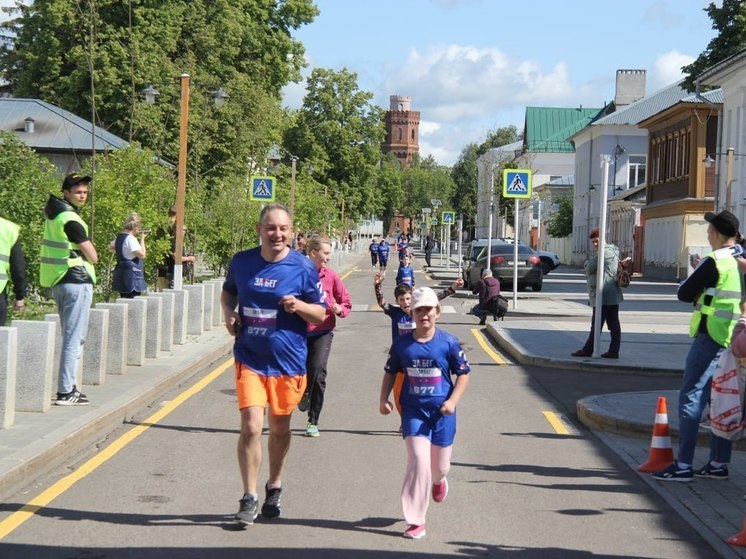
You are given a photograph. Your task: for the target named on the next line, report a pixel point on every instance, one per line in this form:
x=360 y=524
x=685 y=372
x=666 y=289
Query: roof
x=568 y=180
x=646 y=107
x=714 y=74
x=54 y=128
x=547 y=129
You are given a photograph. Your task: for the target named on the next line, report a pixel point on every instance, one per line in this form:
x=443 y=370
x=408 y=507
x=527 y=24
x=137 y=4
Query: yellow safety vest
x=723 y=308
x=9 y=232
x=56 y=256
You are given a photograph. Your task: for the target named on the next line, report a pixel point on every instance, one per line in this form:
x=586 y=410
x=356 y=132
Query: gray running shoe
x=247 y=511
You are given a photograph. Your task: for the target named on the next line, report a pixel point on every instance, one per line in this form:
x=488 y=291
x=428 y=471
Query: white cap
x=424 y=297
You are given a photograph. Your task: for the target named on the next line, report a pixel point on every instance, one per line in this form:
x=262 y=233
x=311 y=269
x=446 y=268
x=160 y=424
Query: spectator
x=13 y=265
x=129 y=277
x=488 y=289
x=611 y=296
x=429 y=246
x=167 y=266
x=67 y=259
x=715 y=289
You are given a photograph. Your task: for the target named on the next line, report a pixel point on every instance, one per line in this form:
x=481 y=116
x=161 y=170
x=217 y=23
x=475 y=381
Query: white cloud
x=452 y=82
x=667 y=69
x=428 y=127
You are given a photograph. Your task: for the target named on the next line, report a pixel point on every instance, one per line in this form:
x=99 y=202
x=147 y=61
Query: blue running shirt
x=272 y=342
x=405 y=275
x=427 y=369
x=401 y=322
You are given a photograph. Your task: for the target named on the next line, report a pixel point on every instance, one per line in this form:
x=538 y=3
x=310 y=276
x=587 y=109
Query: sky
x=473 y=66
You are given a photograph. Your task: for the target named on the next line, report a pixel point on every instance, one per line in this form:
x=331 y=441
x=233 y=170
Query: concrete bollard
x=116 y=343
x=34 y=365
x=217 y=310
x=8 y=361
x=195 y=309
x=95 y=348
x=153 y=326
x=208 y=304
x=137 y=313
x=181 y=302
x=167 y=319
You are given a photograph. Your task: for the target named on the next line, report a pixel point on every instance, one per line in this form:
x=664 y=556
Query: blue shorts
x=438 y=428
x=383 y=260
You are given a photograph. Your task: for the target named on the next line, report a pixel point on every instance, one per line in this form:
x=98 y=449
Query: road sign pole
x=515 y=256
x=600 y=255
x=460 y=233
x=448 y=235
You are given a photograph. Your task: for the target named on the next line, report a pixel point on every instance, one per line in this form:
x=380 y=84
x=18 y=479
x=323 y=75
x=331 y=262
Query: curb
x=524 y=357
x=48 y=453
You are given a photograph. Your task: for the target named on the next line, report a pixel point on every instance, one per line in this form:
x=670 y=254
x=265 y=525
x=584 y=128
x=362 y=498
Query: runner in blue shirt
x=270 y=295
x=427 y=358
x=405 y=274
x=402 y=247
x=373 y=249
x=383 y=254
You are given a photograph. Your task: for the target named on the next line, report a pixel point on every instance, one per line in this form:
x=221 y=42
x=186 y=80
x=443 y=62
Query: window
x=399 y=137
x=413 y=134
x=636 y=171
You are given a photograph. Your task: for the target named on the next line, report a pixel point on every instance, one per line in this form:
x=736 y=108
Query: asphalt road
x=527 y=480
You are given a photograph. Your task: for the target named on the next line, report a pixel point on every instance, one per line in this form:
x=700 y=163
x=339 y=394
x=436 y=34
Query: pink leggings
x=426 y=464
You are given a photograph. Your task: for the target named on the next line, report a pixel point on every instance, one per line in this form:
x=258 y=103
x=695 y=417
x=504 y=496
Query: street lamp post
x=219 y=96
x=293 y=159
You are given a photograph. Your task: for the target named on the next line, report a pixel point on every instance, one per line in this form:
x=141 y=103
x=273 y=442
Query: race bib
x=259 y=322
x=406 y=327
x=425 y=381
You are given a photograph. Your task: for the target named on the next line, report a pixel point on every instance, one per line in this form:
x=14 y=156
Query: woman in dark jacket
x=488 y=289
x=129 y=278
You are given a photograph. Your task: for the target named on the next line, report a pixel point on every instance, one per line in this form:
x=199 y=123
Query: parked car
x=501 y=263
x=549 y=260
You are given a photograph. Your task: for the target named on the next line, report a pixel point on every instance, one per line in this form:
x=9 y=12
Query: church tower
x=402 y=129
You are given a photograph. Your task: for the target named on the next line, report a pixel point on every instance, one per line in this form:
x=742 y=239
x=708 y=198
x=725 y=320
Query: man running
x=270 y=294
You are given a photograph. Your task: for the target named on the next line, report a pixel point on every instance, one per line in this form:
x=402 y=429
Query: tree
x=464 y=175
x=560 y=225
x=32 y=178
x=338 y=133
x=730 y=23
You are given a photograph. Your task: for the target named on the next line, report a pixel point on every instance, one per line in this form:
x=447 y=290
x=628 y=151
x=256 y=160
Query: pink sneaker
x=415 y=532
x=440 y=490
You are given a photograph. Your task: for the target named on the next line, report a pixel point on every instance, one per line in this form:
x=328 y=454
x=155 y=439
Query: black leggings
x=316 y=362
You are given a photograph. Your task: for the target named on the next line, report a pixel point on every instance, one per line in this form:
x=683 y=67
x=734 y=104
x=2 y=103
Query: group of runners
x=282 y=306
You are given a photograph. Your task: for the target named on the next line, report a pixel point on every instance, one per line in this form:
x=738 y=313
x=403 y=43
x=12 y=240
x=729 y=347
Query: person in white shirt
x=129 y=278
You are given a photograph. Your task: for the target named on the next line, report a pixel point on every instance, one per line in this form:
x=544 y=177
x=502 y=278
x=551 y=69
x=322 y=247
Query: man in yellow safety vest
x=12 y=266
x=67 y=259
x=715 y=289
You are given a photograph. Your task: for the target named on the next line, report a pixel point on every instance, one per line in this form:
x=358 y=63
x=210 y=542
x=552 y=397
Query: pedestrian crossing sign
x=516 y=183
x=262 y=189
x=448 y=217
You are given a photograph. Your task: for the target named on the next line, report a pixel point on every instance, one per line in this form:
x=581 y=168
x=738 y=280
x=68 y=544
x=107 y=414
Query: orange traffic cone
x=661 y=453
x=740 y=538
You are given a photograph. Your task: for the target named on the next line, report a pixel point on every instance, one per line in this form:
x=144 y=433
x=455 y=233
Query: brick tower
x=402 y=129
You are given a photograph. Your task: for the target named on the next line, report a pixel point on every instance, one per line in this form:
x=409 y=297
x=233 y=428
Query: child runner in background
x=401 y=319
x=427 y=358
x=402 y=247
x=383 y=255
x=319 y=340
x=373 y=249
x=405 y=274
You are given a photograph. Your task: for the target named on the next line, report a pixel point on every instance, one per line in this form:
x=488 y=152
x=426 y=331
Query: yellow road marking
x=486 y=347
x=48 y=495
x=555 y=421
x=344 y=277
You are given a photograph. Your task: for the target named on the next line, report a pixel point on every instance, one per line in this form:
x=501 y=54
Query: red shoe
x=582 y=353
x=440 y=490
x=414 y=531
